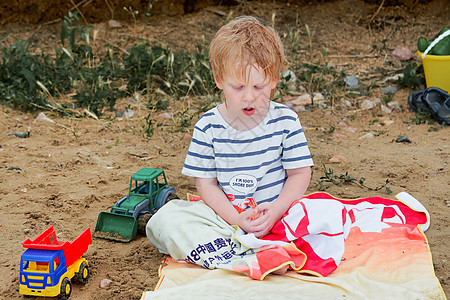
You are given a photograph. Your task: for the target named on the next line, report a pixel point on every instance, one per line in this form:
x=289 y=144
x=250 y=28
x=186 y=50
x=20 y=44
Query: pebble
x=347 y=103
x=318 y=97
x=389 y=90
x=402 y=53
x=187 y=137
x=385 y=121
x=386 y=109
x=128 y=113
x=302 y=100
x=337 y=159
x=394 y=105
x=351 y=129
x=352 y=82
x=114 y=24
x=105 y=282
x=368 y=104
x=166 y=115
x=369 y=135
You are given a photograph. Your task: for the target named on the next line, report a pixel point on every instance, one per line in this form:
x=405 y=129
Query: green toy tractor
x=148 y=192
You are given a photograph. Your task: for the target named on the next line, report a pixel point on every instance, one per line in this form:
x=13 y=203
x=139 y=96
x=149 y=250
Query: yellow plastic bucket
x=437 y=71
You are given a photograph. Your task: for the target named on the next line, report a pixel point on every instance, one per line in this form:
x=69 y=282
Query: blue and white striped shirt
x=251 y=163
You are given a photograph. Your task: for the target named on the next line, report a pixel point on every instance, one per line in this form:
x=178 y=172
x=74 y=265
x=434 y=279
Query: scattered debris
x=395 y=77
x=403 y=139
x=43 y=117
x=22 y=135
x=143 y=156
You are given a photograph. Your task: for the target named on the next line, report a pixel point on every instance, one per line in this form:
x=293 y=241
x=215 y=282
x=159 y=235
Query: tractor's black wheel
x=66 y=289
x=144 y=218
x=83 y=273
x=142 y=222
x=172 y=196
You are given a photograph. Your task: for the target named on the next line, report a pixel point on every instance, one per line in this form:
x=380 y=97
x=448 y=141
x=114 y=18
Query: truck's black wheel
x=83 y=273
x=66 y=289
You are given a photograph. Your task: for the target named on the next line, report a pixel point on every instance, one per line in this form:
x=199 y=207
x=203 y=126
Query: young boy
x=248 y=150
x=248 y=156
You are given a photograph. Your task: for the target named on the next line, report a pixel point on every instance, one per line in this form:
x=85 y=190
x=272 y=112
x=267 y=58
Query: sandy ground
x=56 y=178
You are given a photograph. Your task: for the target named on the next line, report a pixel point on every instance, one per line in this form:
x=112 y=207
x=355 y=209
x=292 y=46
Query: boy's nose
x=248 y=96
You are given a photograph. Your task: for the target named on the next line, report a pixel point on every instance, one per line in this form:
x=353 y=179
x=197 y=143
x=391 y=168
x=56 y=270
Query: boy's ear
x=219 y=85
x=274 y=83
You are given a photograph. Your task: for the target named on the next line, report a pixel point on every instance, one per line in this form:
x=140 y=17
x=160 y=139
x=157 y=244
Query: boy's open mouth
x=248 y=111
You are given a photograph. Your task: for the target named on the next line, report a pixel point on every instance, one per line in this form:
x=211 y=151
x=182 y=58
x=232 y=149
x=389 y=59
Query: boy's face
x=248 y=100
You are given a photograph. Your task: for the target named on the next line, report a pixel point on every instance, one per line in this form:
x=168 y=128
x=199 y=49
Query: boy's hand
x=245 y=219
x=265 y=216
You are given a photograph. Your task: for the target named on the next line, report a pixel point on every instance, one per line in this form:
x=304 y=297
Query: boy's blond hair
x=246 y=42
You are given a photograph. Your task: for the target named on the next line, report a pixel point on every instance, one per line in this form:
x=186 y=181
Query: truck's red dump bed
x=72 y=250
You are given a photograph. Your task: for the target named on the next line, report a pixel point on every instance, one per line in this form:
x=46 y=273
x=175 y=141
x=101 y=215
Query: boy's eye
x=259 y=87
x=239 y=87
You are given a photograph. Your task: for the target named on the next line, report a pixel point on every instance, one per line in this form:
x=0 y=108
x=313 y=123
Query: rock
x=118 y=114
x=402 y=53
x=337 y=159
x=368 y=104
x=105 y=282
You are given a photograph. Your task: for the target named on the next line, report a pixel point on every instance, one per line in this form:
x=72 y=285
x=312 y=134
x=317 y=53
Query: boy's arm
x=214 y=197
x=294 y=188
